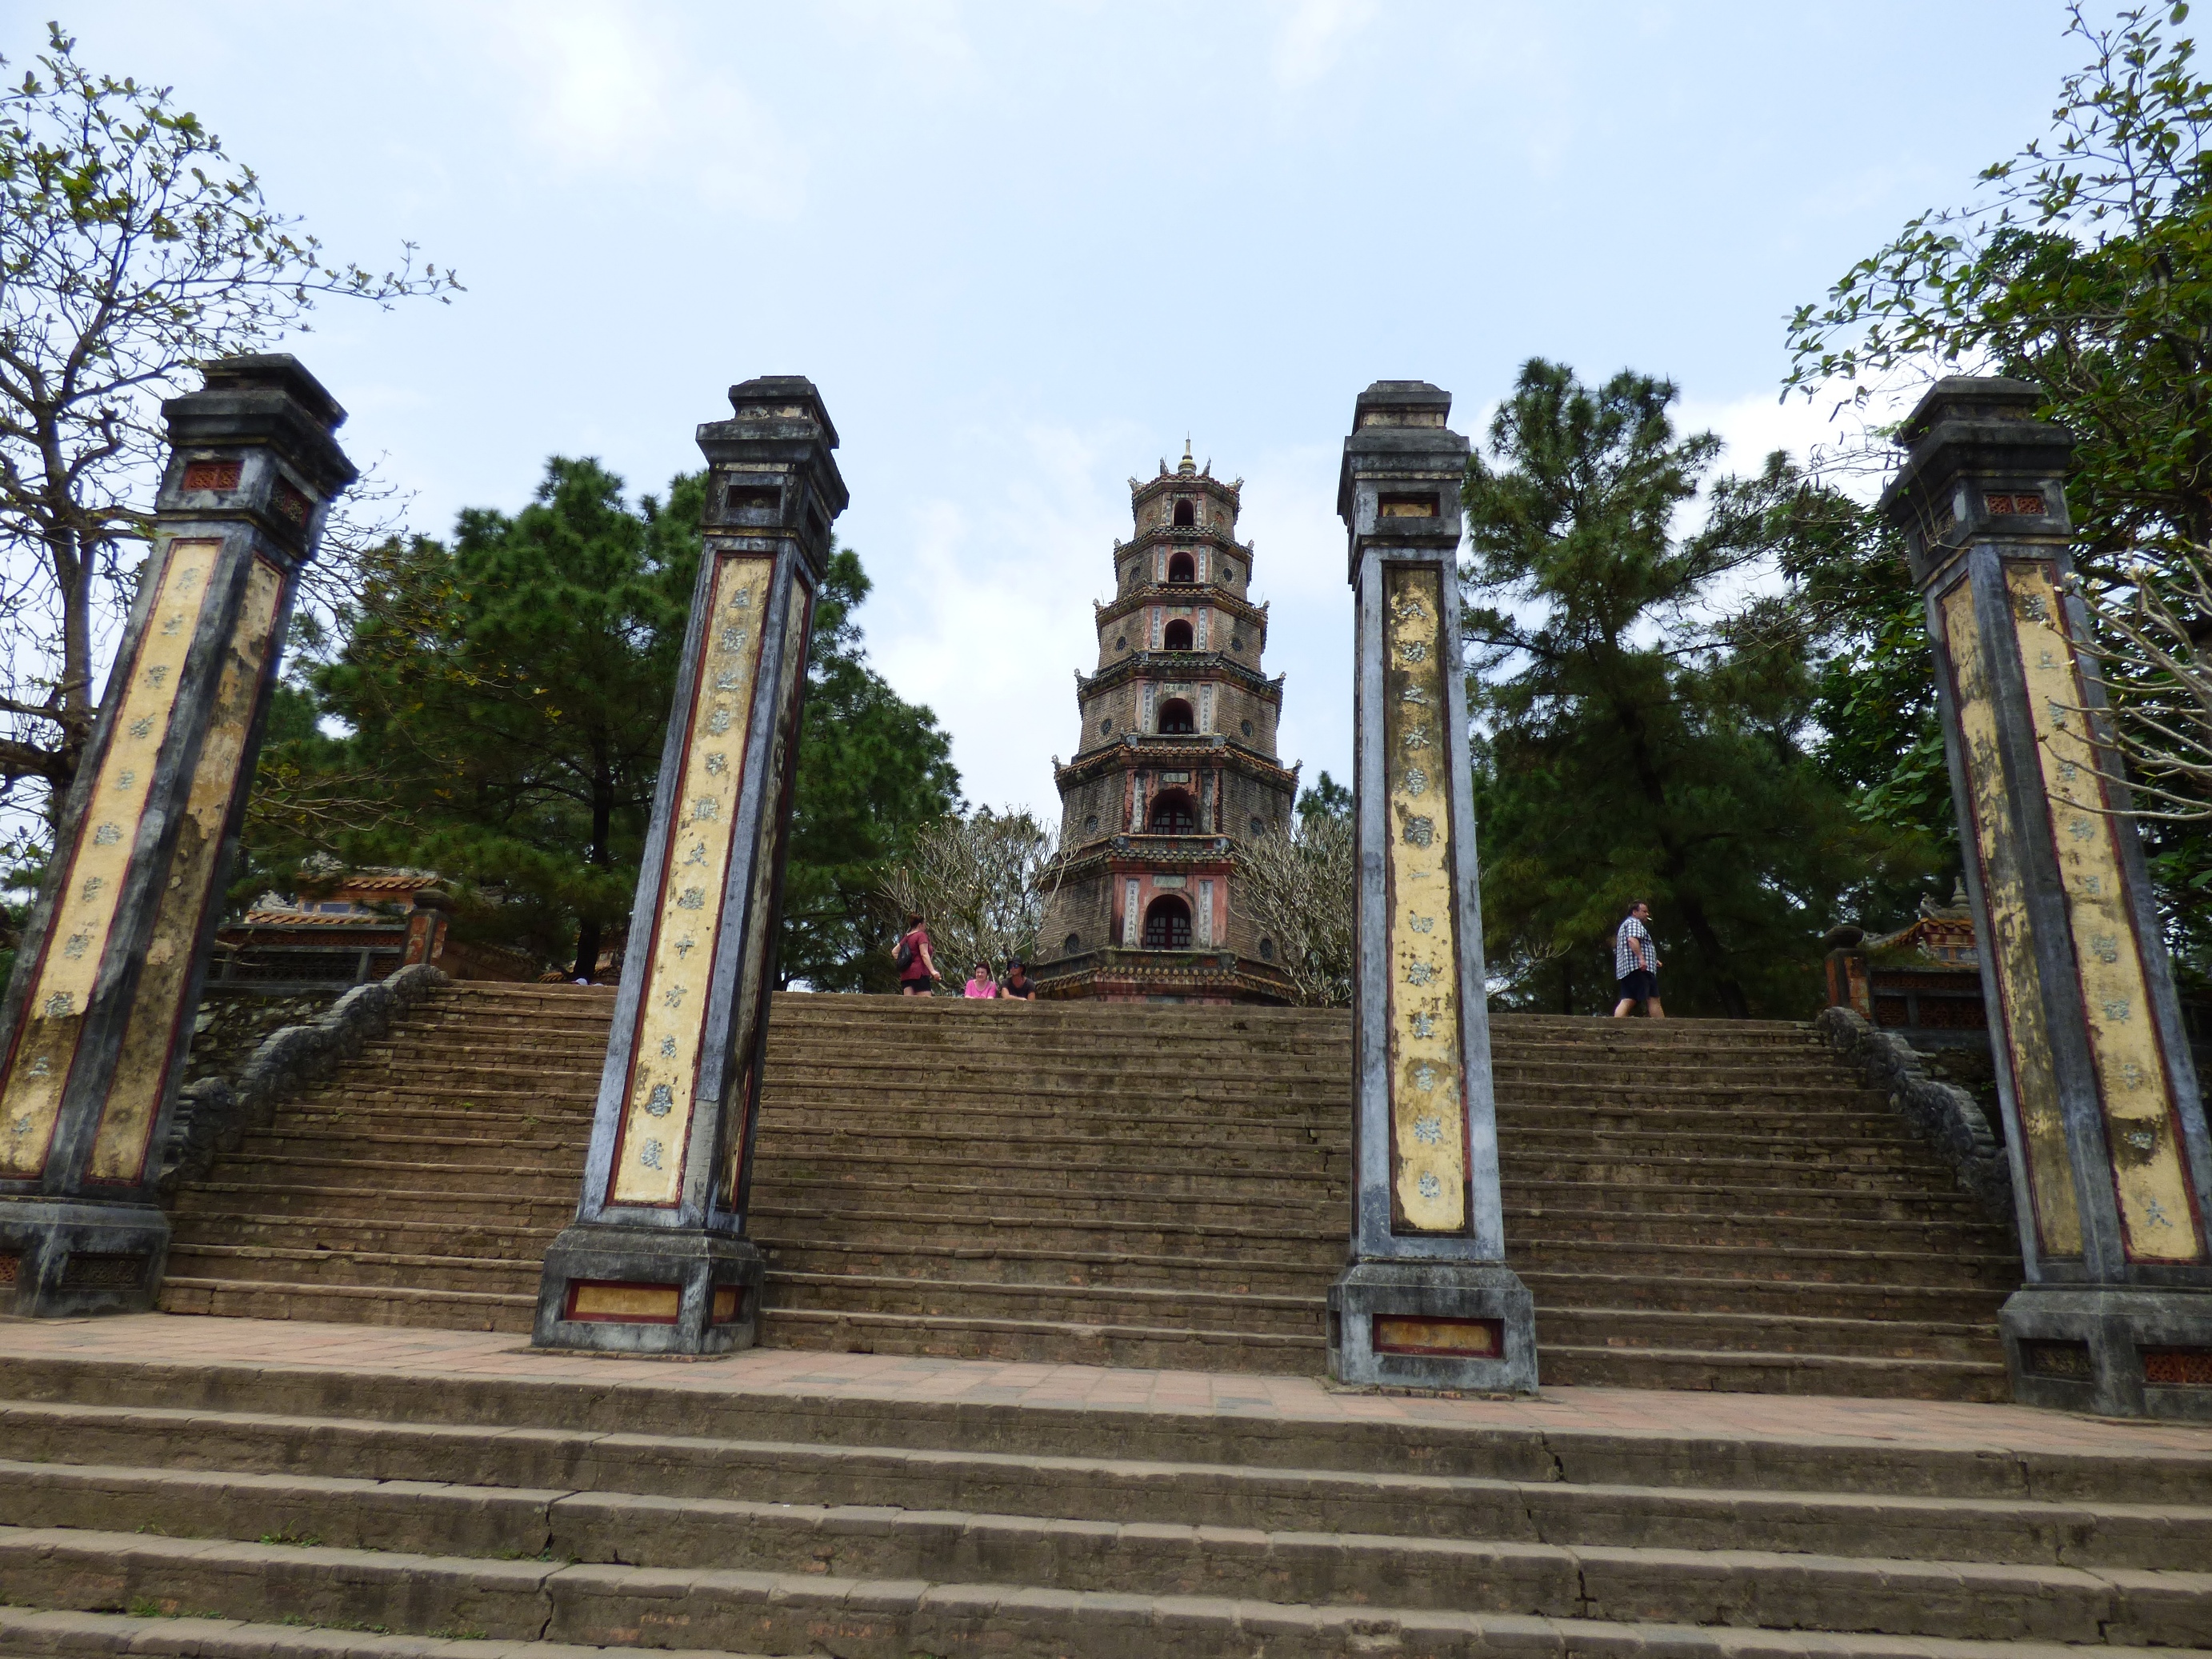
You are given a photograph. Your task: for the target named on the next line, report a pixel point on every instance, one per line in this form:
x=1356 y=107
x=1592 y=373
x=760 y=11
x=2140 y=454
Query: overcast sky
x=1023 y=248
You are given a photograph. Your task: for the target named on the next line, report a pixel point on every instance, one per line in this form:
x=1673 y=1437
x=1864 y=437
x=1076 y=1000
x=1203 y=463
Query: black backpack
x=906 y=953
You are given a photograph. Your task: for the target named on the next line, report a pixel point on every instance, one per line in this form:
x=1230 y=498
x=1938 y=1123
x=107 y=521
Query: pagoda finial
x=1187 y=464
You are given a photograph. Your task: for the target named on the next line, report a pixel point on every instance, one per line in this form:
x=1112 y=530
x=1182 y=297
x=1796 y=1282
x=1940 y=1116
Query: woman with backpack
x=917 y=968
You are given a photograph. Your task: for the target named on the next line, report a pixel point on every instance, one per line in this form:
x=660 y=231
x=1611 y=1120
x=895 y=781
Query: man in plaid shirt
x=1636 y=964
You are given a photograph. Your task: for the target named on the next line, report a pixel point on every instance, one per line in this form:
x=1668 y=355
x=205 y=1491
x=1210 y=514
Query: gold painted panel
x=1409 y=1333
x=2012 y=956
x=2142 y=1133
x=142 y=1069
x=1428 y=1101
x=84 y=908
x=594 y=1299
x=672 y=1001
x=752 y=1001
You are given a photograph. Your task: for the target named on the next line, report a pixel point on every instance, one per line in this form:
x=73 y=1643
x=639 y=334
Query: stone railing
x=216 y=1114
x=1942 y=1113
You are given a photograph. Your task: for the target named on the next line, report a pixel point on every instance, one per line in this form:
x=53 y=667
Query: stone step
x=506 y=1275
x=450 y=1235
x=1181 y=1309
x=1993 y=1273
x=2064 y=1527
x=339 y=1203
x=1707 y=1331
x=734 y=1608
x=348 y=1304
x=826 y=1210
x=439 y=1529
x=1927 y=1458
x=347 y=1144
x=1750 y=1371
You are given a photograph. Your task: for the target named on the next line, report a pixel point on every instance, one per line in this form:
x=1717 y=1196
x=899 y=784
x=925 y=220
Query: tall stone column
x=656 y=1260
x=1427 y=1300
x=2103 y=1121
x=99 y=1010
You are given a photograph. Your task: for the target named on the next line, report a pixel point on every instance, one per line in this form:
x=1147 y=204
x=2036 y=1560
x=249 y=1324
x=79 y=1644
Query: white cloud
x=1314 y=37
x=605 y=92
x=986 y=617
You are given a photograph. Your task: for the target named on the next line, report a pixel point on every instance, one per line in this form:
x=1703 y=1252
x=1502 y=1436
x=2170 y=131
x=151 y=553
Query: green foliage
x=1637 y=739
x=1326 y=799
x=508 y=700
x=1879 y=738
x=132 y=250
x=2082 y=265
x=517 y=686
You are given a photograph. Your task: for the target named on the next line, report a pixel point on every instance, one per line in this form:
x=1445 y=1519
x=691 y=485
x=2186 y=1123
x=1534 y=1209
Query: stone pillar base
x=2115 y=1351
x=648 y=1290
x=67 y=1258
x=1432 y=1325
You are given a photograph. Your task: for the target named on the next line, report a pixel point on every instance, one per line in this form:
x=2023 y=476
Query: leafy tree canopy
x=1642 y=731
x=507 y=696
x=133 y=248
x=2082 y=265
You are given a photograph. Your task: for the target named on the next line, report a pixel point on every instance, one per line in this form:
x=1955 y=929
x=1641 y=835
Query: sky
x=1024 y=248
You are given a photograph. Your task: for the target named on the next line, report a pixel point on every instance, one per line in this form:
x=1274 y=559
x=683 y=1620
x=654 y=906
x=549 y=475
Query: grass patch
x=143 y=1608
x=460 y=1635
x=306 y=1540
x=299 y=1622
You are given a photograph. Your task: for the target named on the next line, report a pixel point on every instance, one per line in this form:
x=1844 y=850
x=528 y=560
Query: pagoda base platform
x=1119 y=975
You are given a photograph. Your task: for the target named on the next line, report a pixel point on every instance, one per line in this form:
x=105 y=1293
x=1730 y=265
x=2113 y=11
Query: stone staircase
x=246 y=1509
x=1694 y=1204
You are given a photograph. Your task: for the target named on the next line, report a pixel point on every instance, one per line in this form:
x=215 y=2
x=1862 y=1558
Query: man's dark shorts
x=1639 y=985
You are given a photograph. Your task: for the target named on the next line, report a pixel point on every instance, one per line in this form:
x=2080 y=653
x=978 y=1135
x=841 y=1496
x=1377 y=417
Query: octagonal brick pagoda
x=1175 y=765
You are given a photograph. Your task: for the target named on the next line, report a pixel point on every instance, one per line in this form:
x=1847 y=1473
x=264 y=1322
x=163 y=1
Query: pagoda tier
x=1175 y=763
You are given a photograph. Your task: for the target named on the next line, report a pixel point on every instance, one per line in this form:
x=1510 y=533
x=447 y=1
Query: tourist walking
x=917 y=967
x=1636 y=964
x=982 y=983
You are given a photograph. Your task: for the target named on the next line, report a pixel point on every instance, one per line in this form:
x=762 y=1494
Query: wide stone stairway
x=252 y=1505
x=1696 y=1205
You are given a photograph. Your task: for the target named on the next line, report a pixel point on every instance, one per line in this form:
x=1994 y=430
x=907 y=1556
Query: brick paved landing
x=215 y=1488
x=252 y=1345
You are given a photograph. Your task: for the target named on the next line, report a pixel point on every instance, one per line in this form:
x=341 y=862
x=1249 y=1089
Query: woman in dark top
x=917 y=967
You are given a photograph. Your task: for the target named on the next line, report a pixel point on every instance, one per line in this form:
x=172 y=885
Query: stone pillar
x=1428 y=1300
x=99 y=1014
x=656 y=1260
x=2103 y=1122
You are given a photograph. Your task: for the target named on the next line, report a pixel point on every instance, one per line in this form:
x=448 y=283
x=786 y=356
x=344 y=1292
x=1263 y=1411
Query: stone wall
x=1944 y=1115
x=216 y=1111
x=231 y=1024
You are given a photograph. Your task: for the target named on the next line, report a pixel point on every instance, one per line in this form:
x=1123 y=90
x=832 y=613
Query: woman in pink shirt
x=982 y=983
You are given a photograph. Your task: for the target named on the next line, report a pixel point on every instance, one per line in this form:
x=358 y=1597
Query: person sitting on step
x=1018 y=984
x=982 y=983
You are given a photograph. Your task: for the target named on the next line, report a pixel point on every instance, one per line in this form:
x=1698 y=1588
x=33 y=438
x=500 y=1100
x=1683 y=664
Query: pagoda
x=1175 y=764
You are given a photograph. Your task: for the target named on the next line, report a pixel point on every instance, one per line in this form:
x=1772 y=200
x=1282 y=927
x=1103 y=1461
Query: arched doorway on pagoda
x=1167 y=924
x=1174 y=814
x=1182 y=568
x=1175 y=636
x=1176 y=718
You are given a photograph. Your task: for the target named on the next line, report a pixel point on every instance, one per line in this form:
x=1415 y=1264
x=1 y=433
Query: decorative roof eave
x=1216 y=750
x=1181 y=666
x=1166 y=481
x=1178 y=593
x=1125 y=854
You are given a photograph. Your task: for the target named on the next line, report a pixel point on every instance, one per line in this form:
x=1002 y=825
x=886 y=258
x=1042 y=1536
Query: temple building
x=1175 y=764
